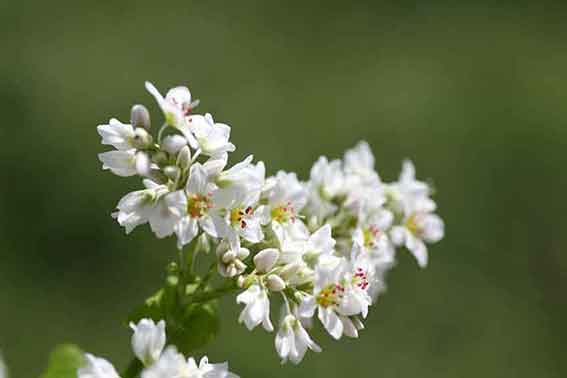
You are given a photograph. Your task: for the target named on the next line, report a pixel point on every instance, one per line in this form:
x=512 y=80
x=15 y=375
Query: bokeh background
x=474 y=92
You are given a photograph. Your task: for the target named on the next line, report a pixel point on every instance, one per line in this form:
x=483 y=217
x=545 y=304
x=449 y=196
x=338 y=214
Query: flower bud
x=266 y=259
x=203 y=244
x=171 y=172
x=140 y=117
x=173 y=143
x=228 y=257
x=275 y=283
x=148 y=340
x=143 y=163
x=142 y=139
x=184 y=158
x=289 y=270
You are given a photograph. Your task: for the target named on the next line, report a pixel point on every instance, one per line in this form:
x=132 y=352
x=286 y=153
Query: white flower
x=285 y=198
x=121 y=163
x=175 y=106
x=372 y=237
x=117 y=134
x=136 y=208
x=325 y=183
x=339 y=294
x=320 y=243
x=96 y=367
x=192 y=206
x=257 y=308
x=417 y=229
x=234 y=214
x=292 y=340
x=172 y=364
x=211 y=138
x=148 y=340
x=360 y=161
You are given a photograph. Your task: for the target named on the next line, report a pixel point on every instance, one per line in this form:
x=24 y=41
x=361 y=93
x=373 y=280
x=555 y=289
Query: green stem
x=133 y=370
x=209 y=295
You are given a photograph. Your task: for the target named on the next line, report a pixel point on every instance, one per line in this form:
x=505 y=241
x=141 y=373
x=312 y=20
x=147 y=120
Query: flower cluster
x=148 y=342
x=321 y=246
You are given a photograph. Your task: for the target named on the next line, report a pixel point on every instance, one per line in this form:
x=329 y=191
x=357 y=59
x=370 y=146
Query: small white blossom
x=292 y=340
x=326 y=182
x=257 y=308
x=172 y=364
x=211 y=138
x=148 y=340
x=192 y=206
x=117 y=134
x=96 y=367
x=418 y=228
x=175 y=106
x=121 y=163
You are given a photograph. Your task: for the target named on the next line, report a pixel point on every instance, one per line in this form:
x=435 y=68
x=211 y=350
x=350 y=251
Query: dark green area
x=474 y=92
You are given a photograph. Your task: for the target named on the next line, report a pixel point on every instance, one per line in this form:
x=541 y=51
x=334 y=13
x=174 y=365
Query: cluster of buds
x=159 y=361
x=318 y=246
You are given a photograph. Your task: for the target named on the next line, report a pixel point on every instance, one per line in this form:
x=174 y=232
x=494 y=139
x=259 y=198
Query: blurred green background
x=474 y=92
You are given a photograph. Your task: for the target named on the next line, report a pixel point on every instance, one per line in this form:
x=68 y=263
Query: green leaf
x=64 y=362
x=199 y=327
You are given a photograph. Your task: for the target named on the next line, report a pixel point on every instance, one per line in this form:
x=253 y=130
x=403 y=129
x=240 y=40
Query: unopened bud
x=289 y=270
x=184 y=158
x=228 y=257
x=266 y=259
x=140 y=117
x=275 y=283
x=171 y=172
x=203 y=244
x=173 y=143
x=142 y=139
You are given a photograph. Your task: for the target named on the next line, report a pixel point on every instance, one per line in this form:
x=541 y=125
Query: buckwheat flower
x=208 y=370
x=148 y=340
x=121 y=163
x=372 y=237
x=96 y=367
x=211 y=138
x=117 y=134
x=257 y=308
x=359 y=161
x=136 y=208
x=336 y=298
x=326 y=182
x=292 y=340
x=175 y=106
x=407 y=183
x=192 y=206
x=319 y=243
x=234 y=216
x=284 y=199
x=418 y=227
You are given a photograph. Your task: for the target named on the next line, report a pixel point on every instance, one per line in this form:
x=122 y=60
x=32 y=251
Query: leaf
x=64 y=362
x=199 y=327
